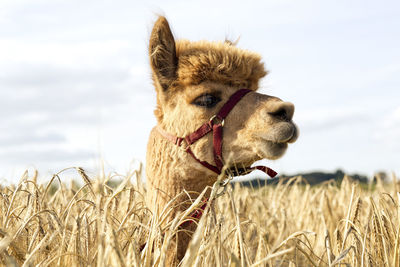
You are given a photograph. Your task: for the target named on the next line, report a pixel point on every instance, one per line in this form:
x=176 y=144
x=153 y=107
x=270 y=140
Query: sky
x=75 y=87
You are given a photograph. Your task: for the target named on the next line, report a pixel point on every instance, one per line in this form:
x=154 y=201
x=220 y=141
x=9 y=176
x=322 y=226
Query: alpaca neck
x=170 y=171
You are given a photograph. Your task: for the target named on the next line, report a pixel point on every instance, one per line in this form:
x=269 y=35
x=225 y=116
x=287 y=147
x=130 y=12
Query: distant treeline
x=311 y=178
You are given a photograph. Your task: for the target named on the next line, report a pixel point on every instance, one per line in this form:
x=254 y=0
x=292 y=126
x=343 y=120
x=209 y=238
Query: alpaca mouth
x=266 y=147
x=272 y=150
x=293 y=137
x=274 y=145
x=284 y=134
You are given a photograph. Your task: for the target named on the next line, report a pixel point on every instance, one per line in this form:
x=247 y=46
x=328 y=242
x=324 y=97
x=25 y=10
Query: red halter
x=215 y=124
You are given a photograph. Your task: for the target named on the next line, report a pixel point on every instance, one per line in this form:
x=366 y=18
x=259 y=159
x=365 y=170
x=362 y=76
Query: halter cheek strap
x=215 y=124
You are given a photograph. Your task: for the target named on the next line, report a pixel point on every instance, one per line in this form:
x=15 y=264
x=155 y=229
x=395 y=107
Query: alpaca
x=193 y=80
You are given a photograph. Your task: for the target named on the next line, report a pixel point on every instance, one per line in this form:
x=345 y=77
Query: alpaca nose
x=282 y=111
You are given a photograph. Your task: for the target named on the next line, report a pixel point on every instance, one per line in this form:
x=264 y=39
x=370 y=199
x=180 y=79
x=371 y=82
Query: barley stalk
x=288 y=224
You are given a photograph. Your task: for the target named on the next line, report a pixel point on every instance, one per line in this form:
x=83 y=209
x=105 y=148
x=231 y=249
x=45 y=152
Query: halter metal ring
x=217 y=120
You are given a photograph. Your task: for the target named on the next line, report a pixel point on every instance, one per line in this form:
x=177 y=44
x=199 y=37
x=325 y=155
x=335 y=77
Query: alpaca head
x=194 y=79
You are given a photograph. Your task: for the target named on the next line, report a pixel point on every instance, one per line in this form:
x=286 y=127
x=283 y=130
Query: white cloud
x=83 y=54
x=20 y=139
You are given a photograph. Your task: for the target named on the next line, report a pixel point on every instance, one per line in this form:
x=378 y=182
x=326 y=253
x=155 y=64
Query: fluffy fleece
x=218 y=61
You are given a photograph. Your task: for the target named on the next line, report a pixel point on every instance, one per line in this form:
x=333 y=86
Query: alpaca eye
x=206 y=100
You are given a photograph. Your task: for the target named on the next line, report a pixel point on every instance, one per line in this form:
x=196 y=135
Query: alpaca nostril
x=280 y=114
x=283 y=112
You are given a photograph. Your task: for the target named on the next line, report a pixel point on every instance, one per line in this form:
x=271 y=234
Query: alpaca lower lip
x=272 y=150
x=282 y=145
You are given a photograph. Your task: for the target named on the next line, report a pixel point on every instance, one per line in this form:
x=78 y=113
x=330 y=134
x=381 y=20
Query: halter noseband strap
x=215 y=124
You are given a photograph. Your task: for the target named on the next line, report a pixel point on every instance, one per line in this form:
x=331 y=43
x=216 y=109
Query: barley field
x=94 y=222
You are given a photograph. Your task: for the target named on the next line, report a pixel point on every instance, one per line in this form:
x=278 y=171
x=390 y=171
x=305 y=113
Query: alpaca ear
x=162 y=51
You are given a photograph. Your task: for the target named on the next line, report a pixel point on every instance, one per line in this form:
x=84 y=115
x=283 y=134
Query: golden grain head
x=98 y=223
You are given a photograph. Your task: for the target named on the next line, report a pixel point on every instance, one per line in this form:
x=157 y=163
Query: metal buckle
x=217 y=120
